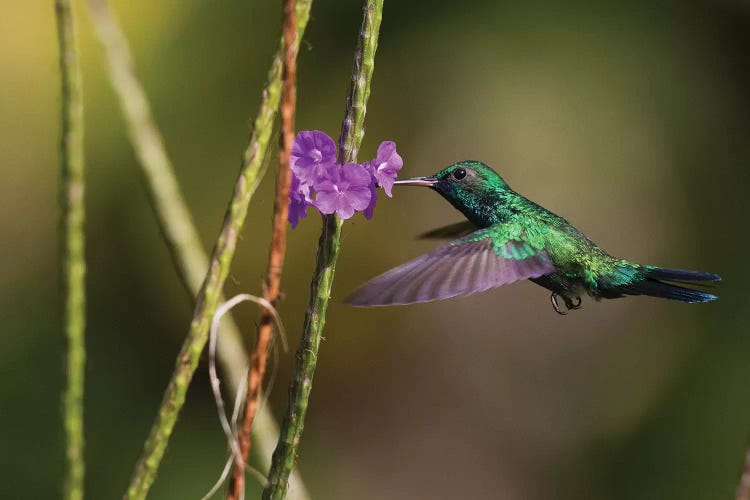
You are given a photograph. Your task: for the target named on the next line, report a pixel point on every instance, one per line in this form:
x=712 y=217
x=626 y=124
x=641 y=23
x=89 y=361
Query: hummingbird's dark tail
x=653 y=284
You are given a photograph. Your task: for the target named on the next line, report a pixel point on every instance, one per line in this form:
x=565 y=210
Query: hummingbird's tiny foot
x=570 y=305
x=553 y=299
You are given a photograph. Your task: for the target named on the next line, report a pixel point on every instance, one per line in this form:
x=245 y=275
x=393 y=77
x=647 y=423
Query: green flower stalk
x=210 y=294
x=72 y=243
x=352 y=132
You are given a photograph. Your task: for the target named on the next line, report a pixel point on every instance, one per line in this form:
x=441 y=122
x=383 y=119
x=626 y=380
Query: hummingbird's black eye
x=459 y=174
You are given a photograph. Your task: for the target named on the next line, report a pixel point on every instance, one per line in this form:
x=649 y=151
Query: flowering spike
x=319 y=181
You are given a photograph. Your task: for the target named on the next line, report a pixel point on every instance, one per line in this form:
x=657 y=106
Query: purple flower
x=313 y=154
x=299 y=200
x=345 y=191
x=386 y=165
x=373 y=191
x=318 y=181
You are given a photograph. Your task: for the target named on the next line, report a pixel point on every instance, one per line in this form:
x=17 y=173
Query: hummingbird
x=507 y=238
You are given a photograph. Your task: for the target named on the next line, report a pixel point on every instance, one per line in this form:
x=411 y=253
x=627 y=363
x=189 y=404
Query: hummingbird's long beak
x=417 y=181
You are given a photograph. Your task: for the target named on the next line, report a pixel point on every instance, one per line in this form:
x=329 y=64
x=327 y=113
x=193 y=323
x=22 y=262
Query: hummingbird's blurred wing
x=474 y=263
x=456 y=230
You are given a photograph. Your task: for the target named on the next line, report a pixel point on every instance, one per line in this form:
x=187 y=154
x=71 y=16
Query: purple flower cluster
x=318 y=181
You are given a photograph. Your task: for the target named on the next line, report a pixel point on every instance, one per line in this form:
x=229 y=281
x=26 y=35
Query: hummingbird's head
x=470 y=186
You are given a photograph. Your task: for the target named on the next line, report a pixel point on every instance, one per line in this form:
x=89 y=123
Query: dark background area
x=630 y=120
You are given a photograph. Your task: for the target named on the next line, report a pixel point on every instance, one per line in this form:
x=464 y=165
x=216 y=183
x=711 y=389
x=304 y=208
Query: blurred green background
x=630 y=120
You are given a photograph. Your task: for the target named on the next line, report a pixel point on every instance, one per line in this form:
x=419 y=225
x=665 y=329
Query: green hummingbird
x=509 y=238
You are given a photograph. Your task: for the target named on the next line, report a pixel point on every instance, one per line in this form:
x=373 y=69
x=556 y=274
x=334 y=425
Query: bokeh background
x=629 y=119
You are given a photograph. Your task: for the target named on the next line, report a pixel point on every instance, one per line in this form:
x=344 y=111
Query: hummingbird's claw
x=570 y=305
x=553 y=299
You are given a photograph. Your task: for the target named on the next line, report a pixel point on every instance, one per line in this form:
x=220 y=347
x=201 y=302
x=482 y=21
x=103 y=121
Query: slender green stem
x=72 y=245
x=174 y=217
x=210 y=295
x=285 y=456
x=353 y=125
x=352 y=132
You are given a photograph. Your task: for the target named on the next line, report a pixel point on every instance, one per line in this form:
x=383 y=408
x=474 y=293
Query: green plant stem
x=72 y=246
x=329 y=245
x=174 y=217
x=210 y=295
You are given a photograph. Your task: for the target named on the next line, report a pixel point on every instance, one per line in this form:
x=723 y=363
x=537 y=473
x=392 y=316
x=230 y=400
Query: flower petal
x=345 y=210
x=373 y=200
x=354 y=174
x=327 y=198
x=313 y=152
x=299 y=200
x=385 y=151
x=297 y=210
x=346 y=191
x=386 y=165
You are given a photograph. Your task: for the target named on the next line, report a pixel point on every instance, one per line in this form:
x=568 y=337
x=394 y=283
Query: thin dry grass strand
x=224 y=473
x=272 y=377
x=239 y=397
x=230 y=428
